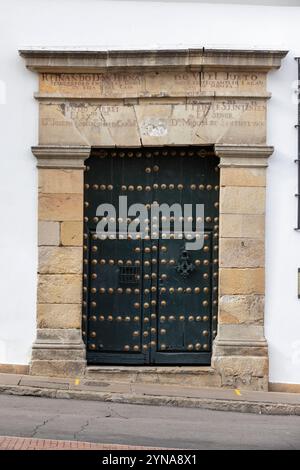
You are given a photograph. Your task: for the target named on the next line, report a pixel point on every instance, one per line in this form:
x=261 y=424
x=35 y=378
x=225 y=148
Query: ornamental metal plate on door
x=148 y=299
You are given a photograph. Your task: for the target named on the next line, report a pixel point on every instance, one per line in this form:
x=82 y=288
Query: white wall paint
x=142 y=25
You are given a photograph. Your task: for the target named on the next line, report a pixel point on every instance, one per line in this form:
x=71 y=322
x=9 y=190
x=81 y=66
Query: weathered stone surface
x=244 y=309
x=197 y=122
x=71 y=233
x=242 y=281
x=243 y=177
x=57 y=368
x=184 y=376
x=242 y=226
x=60 y=260
x=250 y=373
x=59 y=288
x=152 y=83
x=88 y=124
x=48 y=233
x=59 y=316
x=60 y=207
x=60 y=181
x=242 y=200
x=241 y=253
x=241 y=333
x=59 y=336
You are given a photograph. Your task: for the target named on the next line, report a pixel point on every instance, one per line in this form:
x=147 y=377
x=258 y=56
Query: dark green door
x=150 y=301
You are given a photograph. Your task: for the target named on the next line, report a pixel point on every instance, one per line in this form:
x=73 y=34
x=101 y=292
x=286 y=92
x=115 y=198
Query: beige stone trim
x=46 y=60
x=57 y=156
x=243 y=156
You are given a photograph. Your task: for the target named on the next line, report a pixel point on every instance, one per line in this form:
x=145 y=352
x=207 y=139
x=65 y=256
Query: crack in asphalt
x=114 y=414
x=39 y=426
x=82 y=428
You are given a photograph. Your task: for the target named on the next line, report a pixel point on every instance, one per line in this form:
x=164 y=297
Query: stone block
x=249 y=373
x=59 y=315
x=239 y=200
x=56 y=181
x=58 y=368
x=241 y=309
x=60 y=260
x=48 y=233
x=242 y=281
x=60 y=288
x=241 y=253
x=71 y=233
x=60 y=207
x=243 y=177
x=242 y=226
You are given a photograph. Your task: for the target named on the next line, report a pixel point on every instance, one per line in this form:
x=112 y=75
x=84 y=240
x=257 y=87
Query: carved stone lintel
x=57 y=156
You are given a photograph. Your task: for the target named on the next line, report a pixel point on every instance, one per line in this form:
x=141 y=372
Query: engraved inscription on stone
x=197 y=122
x=146 y=84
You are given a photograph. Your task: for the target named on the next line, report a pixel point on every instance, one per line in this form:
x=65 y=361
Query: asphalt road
x=145 y=425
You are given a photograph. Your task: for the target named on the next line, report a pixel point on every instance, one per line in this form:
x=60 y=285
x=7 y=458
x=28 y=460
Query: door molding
x=153 y=98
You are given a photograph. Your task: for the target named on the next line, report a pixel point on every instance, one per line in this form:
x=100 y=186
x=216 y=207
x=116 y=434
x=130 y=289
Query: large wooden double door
x=149 y=300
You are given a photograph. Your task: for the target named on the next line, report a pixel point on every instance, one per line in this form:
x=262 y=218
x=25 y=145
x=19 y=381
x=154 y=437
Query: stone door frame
x=132 y=82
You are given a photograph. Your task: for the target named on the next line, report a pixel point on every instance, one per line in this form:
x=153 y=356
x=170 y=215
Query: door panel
x=150 y=301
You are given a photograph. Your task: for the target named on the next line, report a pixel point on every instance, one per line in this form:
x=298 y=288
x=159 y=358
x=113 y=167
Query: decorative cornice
x=244 y=151
x=85 y=60
x=243 y=155
x=52 y=156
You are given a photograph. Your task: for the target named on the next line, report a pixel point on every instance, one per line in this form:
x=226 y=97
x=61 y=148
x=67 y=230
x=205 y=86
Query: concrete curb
x=241 y=406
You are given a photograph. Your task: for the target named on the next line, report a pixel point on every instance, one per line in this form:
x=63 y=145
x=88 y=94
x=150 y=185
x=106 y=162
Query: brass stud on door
x=205 y=333
x=163 y=347
x=182 y=318
x=136 y=348
x=126 y=347
x=101 y=318
x=93 y=334
x=197 y=346
x=205 y=318
x=190 y=347
x=92 y=346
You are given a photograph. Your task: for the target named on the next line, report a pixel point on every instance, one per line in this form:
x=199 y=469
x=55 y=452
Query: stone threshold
x=267 y=403
x=188 y=376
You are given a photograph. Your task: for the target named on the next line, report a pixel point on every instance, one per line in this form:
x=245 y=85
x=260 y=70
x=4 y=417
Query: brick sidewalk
x=23 y=443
